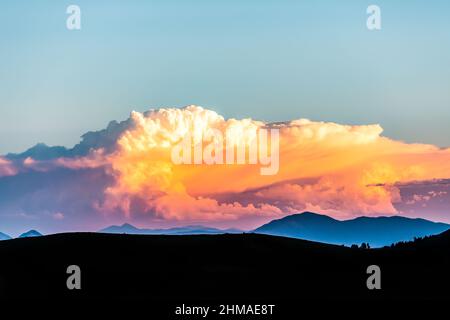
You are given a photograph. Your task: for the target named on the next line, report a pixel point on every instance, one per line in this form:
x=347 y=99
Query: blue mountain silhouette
x=30 y=234
x=377 y=231
x=4 y=236
x=130 y=229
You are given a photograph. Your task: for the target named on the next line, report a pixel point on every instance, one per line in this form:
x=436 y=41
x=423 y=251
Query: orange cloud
x=340 y=170
x=7 y=168
x=355 y=169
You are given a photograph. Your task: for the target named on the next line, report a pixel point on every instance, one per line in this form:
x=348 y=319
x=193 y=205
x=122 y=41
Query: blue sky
x=270 y=60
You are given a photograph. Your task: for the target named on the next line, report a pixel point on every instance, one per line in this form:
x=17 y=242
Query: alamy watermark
x=374 y=280
x=73 y=21
x=374 y=19
x=217 y=148
x=74 y=280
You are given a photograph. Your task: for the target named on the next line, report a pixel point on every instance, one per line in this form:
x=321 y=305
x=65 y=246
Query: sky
x=382 y=93
x=269 y=60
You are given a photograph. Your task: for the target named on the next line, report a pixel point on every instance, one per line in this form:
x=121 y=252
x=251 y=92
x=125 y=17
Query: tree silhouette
x=364 y=245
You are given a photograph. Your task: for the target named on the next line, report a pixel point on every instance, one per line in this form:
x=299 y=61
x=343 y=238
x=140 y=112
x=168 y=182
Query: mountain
x=130 y=229
x=377 y=231
x=4 y=236
x=30 y=234
x=40 y=152
x=125 y=228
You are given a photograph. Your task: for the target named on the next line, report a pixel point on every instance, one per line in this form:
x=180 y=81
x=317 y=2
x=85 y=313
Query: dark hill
x=220 y=268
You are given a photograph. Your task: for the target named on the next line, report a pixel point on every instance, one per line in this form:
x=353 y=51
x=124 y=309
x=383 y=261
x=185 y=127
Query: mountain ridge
x=30 y=234
x=128 y=228
x=4 y=236
x=377 y=231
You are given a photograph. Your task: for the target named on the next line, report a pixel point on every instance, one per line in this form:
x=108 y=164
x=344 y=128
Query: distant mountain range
x=130 y=229
x=4 y=236
x=377 y=231
x=30 y=234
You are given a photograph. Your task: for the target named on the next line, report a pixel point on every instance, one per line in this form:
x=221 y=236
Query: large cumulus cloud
x=341 y=170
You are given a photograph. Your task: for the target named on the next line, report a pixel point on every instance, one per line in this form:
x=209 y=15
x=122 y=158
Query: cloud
x=341 y=170
x=345 y=159
x=6 y=168
x=58 y=216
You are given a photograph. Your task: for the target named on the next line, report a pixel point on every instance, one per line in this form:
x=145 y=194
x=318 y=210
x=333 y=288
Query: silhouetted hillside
x=220 y=268
x=378 y=231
